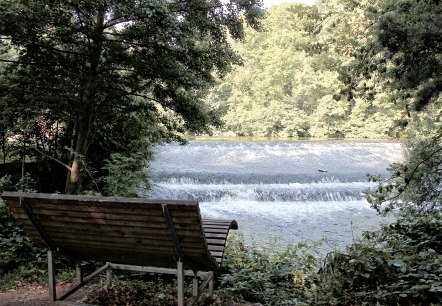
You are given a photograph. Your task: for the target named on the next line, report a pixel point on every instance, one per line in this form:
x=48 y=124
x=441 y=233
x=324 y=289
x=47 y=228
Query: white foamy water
x=292 y=190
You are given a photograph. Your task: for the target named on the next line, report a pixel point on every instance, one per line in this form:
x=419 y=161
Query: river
x=285 y=190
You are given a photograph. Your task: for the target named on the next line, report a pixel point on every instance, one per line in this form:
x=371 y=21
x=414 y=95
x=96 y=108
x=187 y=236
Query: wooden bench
x=134 y=234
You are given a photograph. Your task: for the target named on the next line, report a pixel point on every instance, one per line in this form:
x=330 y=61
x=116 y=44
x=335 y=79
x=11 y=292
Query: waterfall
x=298 y=190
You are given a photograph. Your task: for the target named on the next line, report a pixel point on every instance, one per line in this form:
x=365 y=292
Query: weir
x=298 y=190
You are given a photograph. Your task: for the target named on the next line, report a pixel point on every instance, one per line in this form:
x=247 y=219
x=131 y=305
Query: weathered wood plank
x=216 y=235
x=154 y=210
x=215 y=226
x=218 y=248
x=54 y=219
x=216 y=241
x=77 y=199
x=216 y=253
x=93 y=215
x=138 y=216
x=215 y=230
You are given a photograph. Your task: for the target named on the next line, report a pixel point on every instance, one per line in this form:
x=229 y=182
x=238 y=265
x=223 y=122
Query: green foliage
x=410 y=32
x=4 y=181
x=414 y=185
x=134 y=292
x=17 y=251
x=268 y=275
x=94 y=77
x=313 y=72
x=398 y=265
x=125 y=175
x=20 y=259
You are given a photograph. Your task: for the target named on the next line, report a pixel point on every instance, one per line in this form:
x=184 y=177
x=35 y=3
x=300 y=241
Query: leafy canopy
x=113 y=75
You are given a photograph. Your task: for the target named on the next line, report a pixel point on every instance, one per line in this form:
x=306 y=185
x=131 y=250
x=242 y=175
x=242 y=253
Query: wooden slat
x=217 y=253
x=215 y=230
x=153 y=210
x=128 y=242
x=78 y=200
x=231 y=224
x=93 y=215
x=82 y=246
x=218 y=248
x=215 y=226
x=216 y=241
x=47 y=219
x=80 y=215
x=216 y=235
x=114 y=231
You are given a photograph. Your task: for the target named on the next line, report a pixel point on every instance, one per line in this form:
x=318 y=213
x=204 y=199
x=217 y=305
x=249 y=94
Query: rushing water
x=289 y=190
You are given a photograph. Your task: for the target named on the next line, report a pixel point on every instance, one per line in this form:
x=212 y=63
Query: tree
x=314 y=71
x=410 y=33
x=277 y=90
x=411 y=40
x=100 y=70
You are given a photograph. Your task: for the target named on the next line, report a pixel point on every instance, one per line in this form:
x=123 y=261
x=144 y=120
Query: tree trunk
x=86 y=118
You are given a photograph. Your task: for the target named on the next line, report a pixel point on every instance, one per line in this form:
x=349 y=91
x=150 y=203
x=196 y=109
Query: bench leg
x=180 y=275
x=51 y=276
x=211 y=283
x=196 y=292
x=79 y=273
x=108 y=278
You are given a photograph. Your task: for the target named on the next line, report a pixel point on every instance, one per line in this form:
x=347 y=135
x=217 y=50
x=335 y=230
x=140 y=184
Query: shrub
x=19 y=257
x=415 y=185
x=398 y=265
x=268 y=275
x=134 y=292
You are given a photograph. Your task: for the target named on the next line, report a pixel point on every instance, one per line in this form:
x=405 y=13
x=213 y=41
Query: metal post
x=51 y=275
x=211 y=283
x=108 y=278
x=195 y=286
x=79 y=273
x=180 y=274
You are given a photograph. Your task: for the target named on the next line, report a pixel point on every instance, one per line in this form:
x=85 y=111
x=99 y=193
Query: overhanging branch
x=53 y=158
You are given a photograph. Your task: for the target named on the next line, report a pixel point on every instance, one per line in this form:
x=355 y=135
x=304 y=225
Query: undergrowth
x=401 y=264
x=267 y=274
x=20 y=259
x=134 y=292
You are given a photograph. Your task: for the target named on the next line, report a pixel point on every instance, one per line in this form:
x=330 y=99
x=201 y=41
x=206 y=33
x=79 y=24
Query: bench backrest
x=121 y=230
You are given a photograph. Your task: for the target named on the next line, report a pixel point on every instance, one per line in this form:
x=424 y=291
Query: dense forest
x=318 y=71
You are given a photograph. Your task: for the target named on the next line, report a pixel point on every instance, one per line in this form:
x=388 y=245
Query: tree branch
x=407 y=183
x=53 y=158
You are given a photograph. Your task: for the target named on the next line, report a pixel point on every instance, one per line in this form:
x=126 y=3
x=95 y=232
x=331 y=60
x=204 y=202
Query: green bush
x=413 y=186
x=268 y=275
x=19 y=257
x=17 y=252
x=134 y=292
x=401 y=264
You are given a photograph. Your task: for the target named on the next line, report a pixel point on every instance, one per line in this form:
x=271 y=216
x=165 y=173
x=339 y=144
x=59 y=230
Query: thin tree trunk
x=85 y=122
x=4 y=150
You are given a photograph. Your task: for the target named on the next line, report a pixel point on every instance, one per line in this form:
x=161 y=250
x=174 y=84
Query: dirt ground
x=34 y=295
x=38 y=295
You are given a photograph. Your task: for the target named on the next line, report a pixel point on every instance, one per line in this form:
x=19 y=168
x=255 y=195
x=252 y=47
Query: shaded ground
x=37 y=295
x=34 y=295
